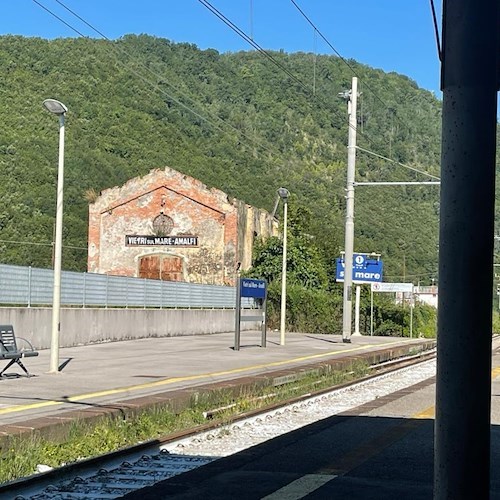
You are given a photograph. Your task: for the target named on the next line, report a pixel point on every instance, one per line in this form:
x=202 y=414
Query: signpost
x=365 y=269
x=256 y=289
x=392 y=288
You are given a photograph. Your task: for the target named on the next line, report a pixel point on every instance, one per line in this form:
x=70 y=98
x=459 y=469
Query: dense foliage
x=243 y=126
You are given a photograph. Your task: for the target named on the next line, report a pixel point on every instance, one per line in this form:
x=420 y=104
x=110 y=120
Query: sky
x=392 y=35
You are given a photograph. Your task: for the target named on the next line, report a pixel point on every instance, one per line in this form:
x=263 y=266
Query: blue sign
x=364 y=269
x=253 y=288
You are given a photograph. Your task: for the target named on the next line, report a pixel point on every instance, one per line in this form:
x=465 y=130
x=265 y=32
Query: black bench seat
x=9 y=349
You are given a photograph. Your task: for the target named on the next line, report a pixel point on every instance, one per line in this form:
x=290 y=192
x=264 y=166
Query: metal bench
x=10 y=351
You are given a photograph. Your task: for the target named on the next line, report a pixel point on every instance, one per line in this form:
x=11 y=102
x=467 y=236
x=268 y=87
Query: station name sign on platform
x=253 y=288
x=174 y=241
x=364 y=269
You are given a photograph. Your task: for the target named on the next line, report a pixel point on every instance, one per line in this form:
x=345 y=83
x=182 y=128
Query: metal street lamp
x=58 y=109
x=283 y=194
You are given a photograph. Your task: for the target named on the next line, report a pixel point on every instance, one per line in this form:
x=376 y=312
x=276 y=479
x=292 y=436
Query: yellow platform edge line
x=173 y=380
x=431 y=411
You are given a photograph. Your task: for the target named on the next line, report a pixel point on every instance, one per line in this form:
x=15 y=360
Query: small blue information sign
x=253 y=288
x=364 y=269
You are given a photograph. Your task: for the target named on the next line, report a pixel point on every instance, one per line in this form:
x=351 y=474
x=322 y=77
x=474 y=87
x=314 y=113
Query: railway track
x=115 y=474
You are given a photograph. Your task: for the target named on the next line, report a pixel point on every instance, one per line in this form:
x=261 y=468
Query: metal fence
x=28 y=286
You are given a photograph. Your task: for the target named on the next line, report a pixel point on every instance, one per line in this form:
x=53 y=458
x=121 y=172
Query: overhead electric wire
x=266 y=53
x=252 y=42
x=59 y=18
x=221 y=16
x=403 y=276
x=229 y=23
x=397 y=163
x=160 y=77
x=344 y=60
x=243 y=35
x=436 y=30
x=38 y=243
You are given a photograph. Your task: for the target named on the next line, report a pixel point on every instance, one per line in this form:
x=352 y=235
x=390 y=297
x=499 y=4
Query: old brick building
x=167 y=225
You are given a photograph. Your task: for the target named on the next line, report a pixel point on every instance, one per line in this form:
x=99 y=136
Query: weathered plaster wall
x=225 y=228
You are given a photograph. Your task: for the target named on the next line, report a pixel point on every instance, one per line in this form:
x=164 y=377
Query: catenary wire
x=243 y=35
x=397 y=162
x=230 y=24
x=160 y=77
x=343 y=59
x=266 y=54
x=436 y=30
x=38 y=243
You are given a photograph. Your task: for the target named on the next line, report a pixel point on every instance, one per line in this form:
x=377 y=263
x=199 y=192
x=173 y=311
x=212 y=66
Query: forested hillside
x=235 y=121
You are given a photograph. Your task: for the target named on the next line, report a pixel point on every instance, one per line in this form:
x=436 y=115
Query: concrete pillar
x=462 y=432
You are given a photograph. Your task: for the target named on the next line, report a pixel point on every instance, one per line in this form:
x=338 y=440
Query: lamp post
x=58 y=109
x=283 y=194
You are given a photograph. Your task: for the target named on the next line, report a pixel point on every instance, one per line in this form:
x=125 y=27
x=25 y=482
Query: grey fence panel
x=180 y=296
x=116 y=291
x=34 y=287
x=154 y=293
x=14 y=285
x=136 y=292
x=72 y=288
x=42 y=285
x=95 y=291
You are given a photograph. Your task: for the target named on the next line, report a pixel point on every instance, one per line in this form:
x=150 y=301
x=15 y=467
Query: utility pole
x=352 y=98
x=463 y=383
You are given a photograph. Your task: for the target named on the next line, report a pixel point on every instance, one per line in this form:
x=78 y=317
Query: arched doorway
x=161 y=267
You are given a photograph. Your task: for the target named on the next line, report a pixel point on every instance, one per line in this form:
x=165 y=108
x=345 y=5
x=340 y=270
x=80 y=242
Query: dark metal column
x=462 y=432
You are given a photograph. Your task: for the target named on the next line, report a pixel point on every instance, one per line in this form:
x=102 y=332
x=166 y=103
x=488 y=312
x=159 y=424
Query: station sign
x=253 y=288
x=174 y=241
x=364 y=269
x=392 y=287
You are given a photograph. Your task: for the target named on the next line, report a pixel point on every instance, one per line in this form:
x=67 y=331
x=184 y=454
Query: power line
x=160 y=77
x=38 y=243
x=422 y=275
x=267 y=54
x=59 y=18
x=229 y=23
x=397 y=163
x=264 y=52
x=254 y=44
x=306 y=17
x=249 y=40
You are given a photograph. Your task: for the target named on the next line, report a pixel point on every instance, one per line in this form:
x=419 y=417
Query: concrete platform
x=380 y=450
x=100 y=378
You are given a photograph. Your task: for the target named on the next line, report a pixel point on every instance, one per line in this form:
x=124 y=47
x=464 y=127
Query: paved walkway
x=117 y=371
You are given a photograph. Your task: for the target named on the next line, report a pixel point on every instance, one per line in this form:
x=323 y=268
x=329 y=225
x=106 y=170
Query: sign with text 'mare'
x=364 y=269
x=253 y=288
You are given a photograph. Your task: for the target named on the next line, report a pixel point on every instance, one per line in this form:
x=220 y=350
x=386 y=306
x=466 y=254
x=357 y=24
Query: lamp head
x=283 y=193
x=55 y=107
